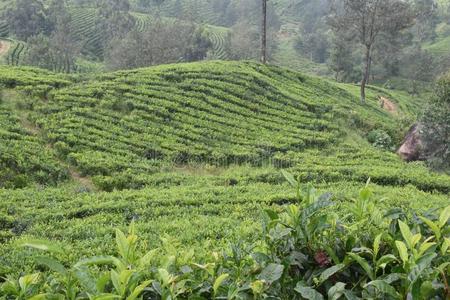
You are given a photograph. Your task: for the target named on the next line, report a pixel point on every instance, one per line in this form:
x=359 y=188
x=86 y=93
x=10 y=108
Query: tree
x=38 y=53
x=314 y=44
x=162 y=43
x=57 y=13
x=426 y=19
x=436 y=126
x=147 y=4
x=57 y=52
x=114 y=20
x=264 y=32
x=367 y=19
x=244 y=41
x=28 y=18
x=341 y=60
x=418 y=66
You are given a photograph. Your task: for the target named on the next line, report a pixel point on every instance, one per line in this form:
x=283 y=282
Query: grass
x=192 y=152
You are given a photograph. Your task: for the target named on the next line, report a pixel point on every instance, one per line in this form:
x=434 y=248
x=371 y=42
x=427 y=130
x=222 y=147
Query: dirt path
x=34 y=130
x=83 y=181
x=4 y=47
x=76 y=176
x=388 y=105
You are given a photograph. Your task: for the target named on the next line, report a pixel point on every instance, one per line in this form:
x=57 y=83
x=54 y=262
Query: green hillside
x=190 y=151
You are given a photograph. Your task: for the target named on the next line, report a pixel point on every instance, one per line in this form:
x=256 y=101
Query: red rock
x=411 y=148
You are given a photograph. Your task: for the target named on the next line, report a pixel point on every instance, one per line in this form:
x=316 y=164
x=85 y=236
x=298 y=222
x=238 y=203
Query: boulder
x=411 y=148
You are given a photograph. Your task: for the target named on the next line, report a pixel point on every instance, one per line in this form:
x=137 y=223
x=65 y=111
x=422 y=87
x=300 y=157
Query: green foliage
x=436 y=128
x=31 y=79
x=304 y=250
x=16 y=53
x=380 y=139
x=23 y=158
x=192 y=150
x=184 y=113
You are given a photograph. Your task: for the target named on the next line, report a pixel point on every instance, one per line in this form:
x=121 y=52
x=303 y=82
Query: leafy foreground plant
x=306 y=252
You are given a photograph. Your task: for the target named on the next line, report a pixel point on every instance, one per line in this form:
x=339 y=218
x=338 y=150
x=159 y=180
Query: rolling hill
x=189 y=151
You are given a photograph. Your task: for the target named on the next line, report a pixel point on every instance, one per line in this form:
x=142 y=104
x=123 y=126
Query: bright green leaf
x=444 y=216
x=402 y=251
x=290 y=178
x=138 y=290
x=52 y=264
x=42 y=245
x=406 y=233
x=433 y=227
x=218 y=282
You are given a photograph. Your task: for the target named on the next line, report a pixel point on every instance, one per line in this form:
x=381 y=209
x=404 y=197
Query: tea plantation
x=193 y=154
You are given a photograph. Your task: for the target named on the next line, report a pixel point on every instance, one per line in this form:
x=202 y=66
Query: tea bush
x=194 y=151
x=436 y=126
x=305 y=251
x=380 y=139
x=23 y=158
x=219 y=113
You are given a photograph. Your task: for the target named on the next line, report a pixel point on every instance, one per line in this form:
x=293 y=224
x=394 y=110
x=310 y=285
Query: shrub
x=380 y=139
x=305 y=250
x=436 y=126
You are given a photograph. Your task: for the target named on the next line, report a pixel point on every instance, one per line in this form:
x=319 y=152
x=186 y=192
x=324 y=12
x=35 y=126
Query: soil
x=388 y=105
x=83 y=181
x=4 y=47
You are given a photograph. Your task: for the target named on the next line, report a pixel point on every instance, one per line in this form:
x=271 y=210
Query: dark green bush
x=380 y=139
x=436 y=126
x=305 y=251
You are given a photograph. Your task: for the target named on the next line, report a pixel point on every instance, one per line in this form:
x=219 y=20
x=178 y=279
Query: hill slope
x=188 y=150
x=221 y=113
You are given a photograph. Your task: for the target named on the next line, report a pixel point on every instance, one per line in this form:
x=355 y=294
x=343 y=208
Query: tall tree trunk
x=264 y=32
x=366 y=74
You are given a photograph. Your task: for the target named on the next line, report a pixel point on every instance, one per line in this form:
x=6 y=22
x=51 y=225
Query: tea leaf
x=308 y=292
x=138 y=290
x=330 y=272
x=444 y=216
x=433 y=227
x=402 y=251
x=336 y=291
x=406 y=233
x=52 y=264
x=384 y=288
x=290 y=178
x=271 y=273
x=364 y=264
x=218 y=282
x=43 y=245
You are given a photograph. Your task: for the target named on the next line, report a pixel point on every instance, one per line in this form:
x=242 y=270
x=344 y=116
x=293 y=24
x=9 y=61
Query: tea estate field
x=191 y=152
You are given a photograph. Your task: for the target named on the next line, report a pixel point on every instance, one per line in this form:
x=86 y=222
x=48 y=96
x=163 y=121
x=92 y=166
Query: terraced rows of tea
x=122 y=128
x=83 y=24
x=16 y=53
x=233 y=115
x=218 y=37
x=3 y=29
x=199 y=10
x=24 y=158
x=191 y=152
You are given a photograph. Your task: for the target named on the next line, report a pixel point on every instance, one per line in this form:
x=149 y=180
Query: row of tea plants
x=305 y=251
